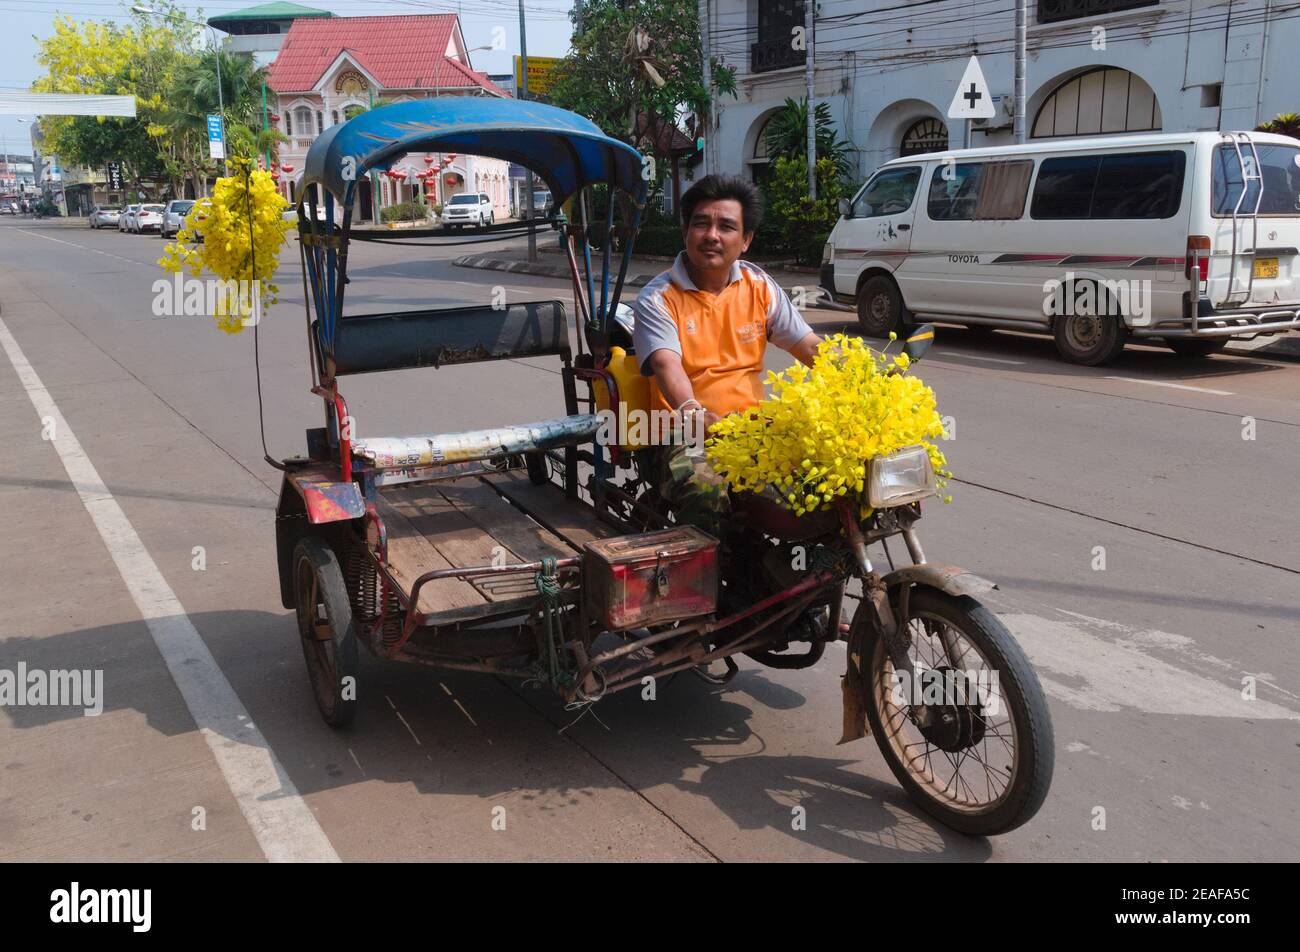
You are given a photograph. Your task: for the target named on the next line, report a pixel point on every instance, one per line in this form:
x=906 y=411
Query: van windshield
x=1280 y=168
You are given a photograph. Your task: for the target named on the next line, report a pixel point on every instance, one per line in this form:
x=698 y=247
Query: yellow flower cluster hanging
x=222 y=222
x=814 y=437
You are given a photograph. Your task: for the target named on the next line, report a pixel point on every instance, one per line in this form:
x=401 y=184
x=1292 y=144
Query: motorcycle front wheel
x=970 y=738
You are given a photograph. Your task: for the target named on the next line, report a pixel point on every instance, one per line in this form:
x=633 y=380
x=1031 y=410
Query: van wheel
x=1196 y=348
x=880 y=307
x=1091 y=336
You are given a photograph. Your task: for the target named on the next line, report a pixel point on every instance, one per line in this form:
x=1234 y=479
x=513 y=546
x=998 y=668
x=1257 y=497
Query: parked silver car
x=173 y=216
x=124 y=219
x=105 y=216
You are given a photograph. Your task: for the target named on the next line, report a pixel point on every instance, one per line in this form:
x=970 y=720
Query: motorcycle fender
x=950 y=579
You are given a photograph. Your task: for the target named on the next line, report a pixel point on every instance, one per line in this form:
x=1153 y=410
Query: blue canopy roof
x=566 y=150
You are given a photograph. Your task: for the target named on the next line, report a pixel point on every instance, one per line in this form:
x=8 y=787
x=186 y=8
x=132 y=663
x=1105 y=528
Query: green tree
x=787 y=135
x=139 y=57
x=804 y=222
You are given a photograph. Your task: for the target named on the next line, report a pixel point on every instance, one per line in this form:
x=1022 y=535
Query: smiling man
x=702 y=328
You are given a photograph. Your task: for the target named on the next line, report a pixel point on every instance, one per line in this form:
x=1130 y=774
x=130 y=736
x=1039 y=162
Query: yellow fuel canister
x=633 y=393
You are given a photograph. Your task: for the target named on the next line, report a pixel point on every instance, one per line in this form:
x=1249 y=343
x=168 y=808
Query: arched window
x=760 y=163
x=334 y=117
x=924 y=135
x=302 y=119
x=288 y=123
x=320 y=122
x=1100 y=101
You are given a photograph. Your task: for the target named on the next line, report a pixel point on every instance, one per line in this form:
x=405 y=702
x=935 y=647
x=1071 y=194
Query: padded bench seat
x=397 y=452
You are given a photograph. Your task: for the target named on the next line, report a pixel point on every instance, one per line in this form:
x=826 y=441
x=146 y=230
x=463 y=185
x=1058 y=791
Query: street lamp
x=216 y=55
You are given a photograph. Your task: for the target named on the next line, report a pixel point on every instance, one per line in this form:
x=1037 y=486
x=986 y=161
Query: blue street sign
x=216 y=138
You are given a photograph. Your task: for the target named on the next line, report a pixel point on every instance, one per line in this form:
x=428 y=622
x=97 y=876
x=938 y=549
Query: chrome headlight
x=902 y=477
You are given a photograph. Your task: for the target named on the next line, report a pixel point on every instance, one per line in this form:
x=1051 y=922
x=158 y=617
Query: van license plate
x=1266 y=267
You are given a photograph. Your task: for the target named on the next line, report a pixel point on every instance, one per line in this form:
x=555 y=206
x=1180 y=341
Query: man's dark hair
x=711 y=188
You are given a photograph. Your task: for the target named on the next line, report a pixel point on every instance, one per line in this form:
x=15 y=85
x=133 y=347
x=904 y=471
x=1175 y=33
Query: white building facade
x=888 y=69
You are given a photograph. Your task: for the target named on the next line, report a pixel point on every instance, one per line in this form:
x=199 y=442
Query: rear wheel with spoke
x=970 y=741
x=325 y=626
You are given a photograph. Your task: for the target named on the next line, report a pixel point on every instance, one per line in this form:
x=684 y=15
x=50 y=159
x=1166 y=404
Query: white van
x=1164 y=236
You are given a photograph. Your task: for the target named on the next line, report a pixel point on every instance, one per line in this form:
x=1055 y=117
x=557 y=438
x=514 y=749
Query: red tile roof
x=400 y=52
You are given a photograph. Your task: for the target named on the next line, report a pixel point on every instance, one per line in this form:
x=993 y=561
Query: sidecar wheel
x=980 y=767
x=326 y=629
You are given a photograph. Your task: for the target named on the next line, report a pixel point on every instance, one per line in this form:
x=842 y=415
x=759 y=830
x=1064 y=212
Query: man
x=701 y=331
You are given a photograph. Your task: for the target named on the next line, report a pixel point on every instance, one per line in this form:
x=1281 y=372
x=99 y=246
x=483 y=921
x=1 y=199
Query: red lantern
x=428 y=160
x=286 y=168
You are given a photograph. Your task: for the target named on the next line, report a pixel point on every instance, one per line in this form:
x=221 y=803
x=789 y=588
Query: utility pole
x=523 y=95
x=1022 y=18
x=809 y=9
x=706 y=42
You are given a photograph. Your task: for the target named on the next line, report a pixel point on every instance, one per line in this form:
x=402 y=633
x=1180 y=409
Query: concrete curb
x=488 y=263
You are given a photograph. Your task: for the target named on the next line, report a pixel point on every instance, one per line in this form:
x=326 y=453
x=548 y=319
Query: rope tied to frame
x=548 y=586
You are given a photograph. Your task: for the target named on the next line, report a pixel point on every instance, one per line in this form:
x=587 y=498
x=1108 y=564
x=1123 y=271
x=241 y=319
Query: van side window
x=954 y=190
x=980 y=191
x=1139 y=185
x=889 y=193
x=1131 y=185
x=1064 y=187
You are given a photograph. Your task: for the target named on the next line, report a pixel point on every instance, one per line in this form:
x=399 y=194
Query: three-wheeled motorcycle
x=540 y=550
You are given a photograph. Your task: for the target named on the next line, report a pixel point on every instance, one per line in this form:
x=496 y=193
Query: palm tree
x=787 y=135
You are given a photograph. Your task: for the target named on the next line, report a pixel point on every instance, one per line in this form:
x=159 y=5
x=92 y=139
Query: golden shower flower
x=245 y=213
x=813 y=437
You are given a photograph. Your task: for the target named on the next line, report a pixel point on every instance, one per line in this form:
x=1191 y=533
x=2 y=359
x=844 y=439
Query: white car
x=468 y=208
x=103 y=216
x=147 y=218
x=124 y=219
x=173 y=216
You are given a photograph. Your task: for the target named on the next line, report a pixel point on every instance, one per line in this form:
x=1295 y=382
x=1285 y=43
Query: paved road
x=154 y=561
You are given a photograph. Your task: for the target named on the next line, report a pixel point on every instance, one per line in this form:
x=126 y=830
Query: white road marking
x=992 y=360
x=283 y=824
x=405 y=724
x=1110 y=674
x=1174 y=386
x=1182 y=645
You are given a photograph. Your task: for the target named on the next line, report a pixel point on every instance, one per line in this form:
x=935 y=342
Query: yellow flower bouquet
x=814 y=437
x=245 y=213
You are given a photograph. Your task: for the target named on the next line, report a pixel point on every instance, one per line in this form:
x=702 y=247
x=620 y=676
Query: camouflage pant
x=695 y=493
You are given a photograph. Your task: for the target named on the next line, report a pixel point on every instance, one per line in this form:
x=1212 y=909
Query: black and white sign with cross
x=972 y=99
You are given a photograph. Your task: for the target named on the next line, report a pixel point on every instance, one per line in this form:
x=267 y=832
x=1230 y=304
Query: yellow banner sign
x=541 y=70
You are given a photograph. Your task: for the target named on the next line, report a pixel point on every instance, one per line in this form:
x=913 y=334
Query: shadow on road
x=691 y=753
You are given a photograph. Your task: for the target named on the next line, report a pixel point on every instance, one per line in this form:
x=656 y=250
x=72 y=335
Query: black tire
x=1091 y=339
x=1031 y=724
x=880 y=307
x=326 y=629
x=1197 y=349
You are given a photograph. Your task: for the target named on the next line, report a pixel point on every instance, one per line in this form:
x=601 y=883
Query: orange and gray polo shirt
x=721 y=338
